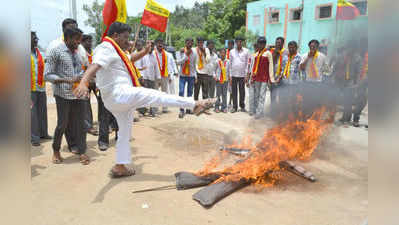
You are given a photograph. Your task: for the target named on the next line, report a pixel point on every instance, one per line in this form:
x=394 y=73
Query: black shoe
x=35 y=143
x=136 y=119
x=243 y=110
x=188 y=111
x=47 y=137
x=233 y=111
x=103 y=146
x=181 y=115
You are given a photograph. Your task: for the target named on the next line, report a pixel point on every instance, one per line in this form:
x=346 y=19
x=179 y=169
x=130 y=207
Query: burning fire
x=293 y=140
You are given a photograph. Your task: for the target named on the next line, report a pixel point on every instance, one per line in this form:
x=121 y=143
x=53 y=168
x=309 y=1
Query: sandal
x=127 y=173
x=84 y=159
x=203 y=105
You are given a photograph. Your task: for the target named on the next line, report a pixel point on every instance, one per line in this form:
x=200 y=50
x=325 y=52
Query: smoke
x=301 y=100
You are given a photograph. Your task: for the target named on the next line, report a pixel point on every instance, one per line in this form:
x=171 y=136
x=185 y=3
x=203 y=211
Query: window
x=256 y=20
x=274 y=16
x=362 y=6
x=324 y=11
x=296 y=14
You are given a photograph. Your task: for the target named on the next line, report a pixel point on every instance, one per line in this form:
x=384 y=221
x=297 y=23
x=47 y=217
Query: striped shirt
x=62 y=63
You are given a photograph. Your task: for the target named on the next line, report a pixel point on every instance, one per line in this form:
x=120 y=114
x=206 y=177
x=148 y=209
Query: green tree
x=95 y=18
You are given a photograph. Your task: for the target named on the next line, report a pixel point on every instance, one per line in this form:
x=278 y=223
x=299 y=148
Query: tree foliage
x=95 y=18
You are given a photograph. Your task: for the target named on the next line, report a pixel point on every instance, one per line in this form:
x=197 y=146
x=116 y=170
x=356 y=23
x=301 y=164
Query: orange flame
x=293 y=140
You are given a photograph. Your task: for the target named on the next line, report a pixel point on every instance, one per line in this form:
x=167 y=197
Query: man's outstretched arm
x=82 y=89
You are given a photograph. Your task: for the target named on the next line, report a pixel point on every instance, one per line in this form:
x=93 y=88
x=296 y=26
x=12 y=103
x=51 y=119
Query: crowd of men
x=201 y=69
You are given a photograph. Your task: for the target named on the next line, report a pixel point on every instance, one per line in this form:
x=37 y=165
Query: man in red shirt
x=261 y=76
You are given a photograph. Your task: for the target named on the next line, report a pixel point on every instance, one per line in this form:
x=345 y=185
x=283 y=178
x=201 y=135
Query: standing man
x=69 y=23
x=230 y=46
x=64 y=70
x=150 y=73
x=203 y=78
x=118 y=82
x=278 y=54
x=238 y=70
x=187 y=72
x=261 y=77
x=174 y=74
x=348 y=69
x=315 y=68
x=211 y=67
x=290 y=78
x=362 y=84
x=164 y=67
x=38 y=95
x=222 y=78
x=87 y=41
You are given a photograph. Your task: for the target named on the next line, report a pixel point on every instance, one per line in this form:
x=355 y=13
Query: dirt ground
x=73 y=194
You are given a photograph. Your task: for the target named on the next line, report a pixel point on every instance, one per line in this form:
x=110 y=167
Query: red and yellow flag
x=155 y=16
x=346 y=10
x=114 y=11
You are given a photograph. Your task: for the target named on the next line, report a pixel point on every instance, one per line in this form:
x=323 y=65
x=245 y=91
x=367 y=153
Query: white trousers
x=165 y=88
x=123 y=101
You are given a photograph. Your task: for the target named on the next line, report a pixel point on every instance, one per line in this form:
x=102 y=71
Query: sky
x=47 y=15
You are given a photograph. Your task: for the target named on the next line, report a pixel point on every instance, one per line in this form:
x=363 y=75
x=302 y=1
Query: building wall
x=312 y=28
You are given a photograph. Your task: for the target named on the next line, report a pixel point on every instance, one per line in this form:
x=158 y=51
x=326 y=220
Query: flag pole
x=136 y=36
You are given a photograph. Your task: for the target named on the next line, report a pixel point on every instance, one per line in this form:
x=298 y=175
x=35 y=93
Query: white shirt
x=81 y=50
x=182 y=57
x=239 y=62
x=113 y=71
x=150 y=72
x=212 y=64
x=322 y=66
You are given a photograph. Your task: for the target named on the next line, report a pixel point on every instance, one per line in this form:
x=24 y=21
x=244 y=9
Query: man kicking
x=117 y=80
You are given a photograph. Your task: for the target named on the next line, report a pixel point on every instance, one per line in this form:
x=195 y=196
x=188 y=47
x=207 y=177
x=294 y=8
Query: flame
x=292 y=140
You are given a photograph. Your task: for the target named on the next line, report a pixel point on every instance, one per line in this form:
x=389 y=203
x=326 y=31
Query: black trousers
x=105 y=121
x=238 y=84
x=203 y=82
x=70 y=114
x=360 y=101
x=39 y=121
x=89 y=112
x=212 y=88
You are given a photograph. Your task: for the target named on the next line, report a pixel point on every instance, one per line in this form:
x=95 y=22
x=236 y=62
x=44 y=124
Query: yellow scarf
x=287 y=69
x=314 y=72
x=223 y=77
x=280 y=60
x=129 y=65
x=200 y=62
x=163 y=69
x=186 y=66
x=257 y=60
